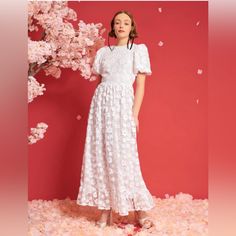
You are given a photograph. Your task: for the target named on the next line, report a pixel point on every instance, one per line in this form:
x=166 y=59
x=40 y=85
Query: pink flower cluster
x=34 y=88
x=37 y=133
x=178 y=215
x=47 y=11
x=62 y=45
x=38 y=51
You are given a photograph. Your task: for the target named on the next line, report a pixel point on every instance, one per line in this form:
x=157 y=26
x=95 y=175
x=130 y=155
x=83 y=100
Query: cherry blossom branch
x=60 y=46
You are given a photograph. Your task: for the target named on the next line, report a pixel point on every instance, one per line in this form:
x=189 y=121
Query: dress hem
x=117 y=211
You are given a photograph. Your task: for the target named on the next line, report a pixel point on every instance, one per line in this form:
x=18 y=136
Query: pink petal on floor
x=173 y=215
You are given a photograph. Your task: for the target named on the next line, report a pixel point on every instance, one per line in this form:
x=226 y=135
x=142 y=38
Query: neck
x=122 y=42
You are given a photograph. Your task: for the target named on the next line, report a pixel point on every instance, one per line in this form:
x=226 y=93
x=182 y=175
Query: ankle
x=105 y=211
x=141 y=214
x=104 y=214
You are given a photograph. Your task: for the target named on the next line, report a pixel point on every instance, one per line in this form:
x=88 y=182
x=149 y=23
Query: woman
x=111 y=177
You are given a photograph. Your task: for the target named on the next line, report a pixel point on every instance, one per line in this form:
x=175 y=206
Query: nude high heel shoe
x=146 y=221
x=108 y=221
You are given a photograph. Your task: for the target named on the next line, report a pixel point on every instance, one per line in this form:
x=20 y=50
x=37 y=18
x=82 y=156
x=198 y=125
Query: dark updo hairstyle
x=133 y=32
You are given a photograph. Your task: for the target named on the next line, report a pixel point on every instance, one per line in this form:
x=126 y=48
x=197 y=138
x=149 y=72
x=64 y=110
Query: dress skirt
x=111 y=176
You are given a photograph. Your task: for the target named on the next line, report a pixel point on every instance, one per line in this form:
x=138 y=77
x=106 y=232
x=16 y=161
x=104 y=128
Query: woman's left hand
x=136 y=122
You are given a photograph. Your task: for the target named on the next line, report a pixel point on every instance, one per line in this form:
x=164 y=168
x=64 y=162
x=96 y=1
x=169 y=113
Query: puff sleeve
x=141 y=62
x=96 y=66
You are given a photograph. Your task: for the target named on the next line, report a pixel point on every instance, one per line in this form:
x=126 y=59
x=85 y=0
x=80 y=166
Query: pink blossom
x=62 y=46
x=54 y=71
x=38 y=51
x=37 y=133
x=34 y=88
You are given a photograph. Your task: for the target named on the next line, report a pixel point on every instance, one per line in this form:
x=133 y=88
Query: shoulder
x=101 y=50
x=141 y=45
x=140 y=48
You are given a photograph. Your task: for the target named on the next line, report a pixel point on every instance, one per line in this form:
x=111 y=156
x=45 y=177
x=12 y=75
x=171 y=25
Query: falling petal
x=197 y=23
x=160 y=43
x=199 y=71
x=159 y=9
x=78 y=117
x=197 y=100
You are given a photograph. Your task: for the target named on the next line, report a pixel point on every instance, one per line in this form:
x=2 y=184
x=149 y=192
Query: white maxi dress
x=111 y=176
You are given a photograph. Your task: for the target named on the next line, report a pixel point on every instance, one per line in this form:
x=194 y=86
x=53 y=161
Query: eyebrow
x=125 y=19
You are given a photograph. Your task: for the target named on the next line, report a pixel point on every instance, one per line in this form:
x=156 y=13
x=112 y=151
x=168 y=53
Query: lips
x=121 y=31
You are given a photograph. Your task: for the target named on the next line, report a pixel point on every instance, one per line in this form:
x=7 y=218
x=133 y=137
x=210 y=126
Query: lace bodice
x=122 y=64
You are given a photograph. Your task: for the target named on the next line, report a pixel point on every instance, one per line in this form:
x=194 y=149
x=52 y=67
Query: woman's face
x=122 y=25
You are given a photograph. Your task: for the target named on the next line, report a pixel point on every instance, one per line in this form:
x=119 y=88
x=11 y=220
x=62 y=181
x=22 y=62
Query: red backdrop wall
x=172 y=140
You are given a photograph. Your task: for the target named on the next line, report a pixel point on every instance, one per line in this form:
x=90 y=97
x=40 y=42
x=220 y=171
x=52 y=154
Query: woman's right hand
x=136 y=122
